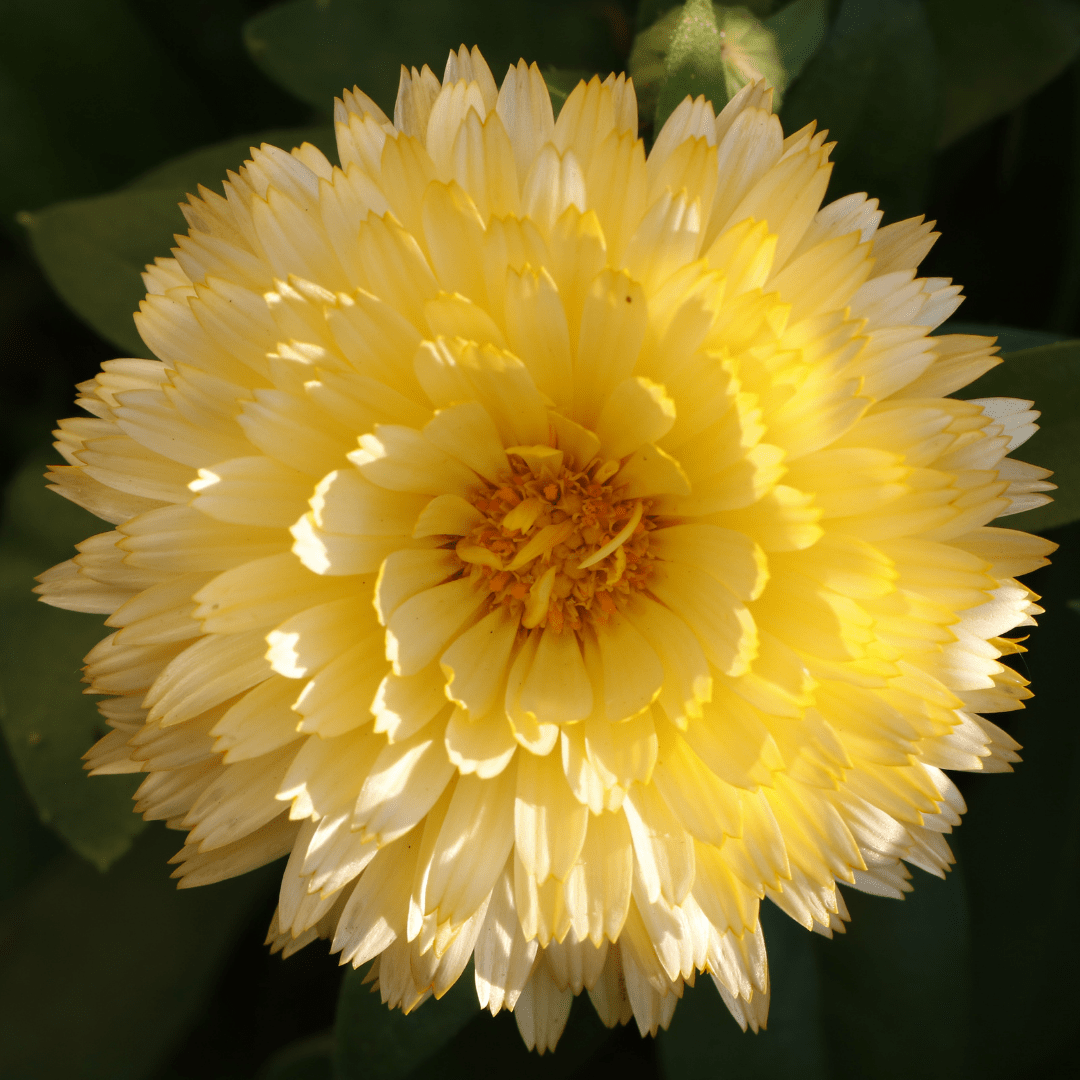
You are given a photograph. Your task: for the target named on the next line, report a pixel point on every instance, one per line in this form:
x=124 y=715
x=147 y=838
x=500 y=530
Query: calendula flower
x=554 y=550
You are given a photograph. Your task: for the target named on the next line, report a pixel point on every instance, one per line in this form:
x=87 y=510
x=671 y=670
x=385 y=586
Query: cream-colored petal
x=503 y=959
x=622 y=753
x=469 y=65
x=637 y=411
x=483 y=746
x=402 y=786
x=403 y=704
x=474 y=842
x=207 y=674
x=613 y=325
x=326 y=774
x=731 y=557
x=261 y=721
x=633 y=673
x=538 y=332
x=608 y=995
x=405 y=573
x=542 y=1011
x=420 y=628
x=664 y=849
x=307 y=642
x=263 y=592
x=477 y=664
x=549 y=823
x=375 y=914
x=587 y=115
x=687 y=680
x=652 y=471
x=466 y=432
x=724 y=627
x=417 y=91
x=556 y=689
x=401 y=459
x=525 y=107
x=455 y=370
x=447 y=515
x=339 y=698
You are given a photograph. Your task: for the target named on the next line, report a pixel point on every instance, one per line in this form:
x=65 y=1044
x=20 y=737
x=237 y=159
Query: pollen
x=559 y=547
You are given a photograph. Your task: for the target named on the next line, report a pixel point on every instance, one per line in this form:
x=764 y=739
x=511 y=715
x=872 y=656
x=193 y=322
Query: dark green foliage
x=1051 y=376
x=314 y=48
x=101 y=973
x=385 y=1047
x=46 y=719
x=994 y=54
x=1019 y=847
x=94 y=250
x=966 y=109
x=703 y=1034
x=874 y=84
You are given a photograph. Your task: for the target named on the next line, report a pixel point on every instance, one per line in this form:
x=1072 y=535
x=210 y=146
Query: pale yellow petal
x=524 y=105
x=632 y=671
x=504 y=959
x=483 y=746
x=556 y=689
x=403 y=783
x=477 y=663
x=474 y=842
x=420 y=628
x=549 y=823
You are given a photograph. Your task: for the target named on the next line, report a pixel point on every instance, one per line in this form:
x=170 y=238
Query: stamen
x=541 y=523
x=616 y=572
x=616 y=541
x=523 y=515
x=605 y=472
x=539 y=597
x=480 y=556
x=542 y=543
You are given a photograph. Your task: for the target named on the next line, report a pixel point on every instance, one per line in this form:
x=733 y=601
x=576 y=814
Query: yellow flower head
x=552 y=549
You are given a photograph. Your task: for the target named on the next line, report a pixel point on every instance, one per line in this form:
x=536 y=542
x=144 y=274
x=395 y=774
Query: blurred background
x=110 y=110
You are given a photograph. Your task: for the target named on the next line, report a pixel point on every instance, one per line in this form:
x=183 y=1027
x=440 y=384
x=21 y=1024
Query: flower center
x=559 y=545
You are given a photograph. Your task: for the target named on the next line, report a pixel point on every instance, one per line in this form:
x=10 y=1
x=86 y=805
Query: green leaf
x=1009 y=338
x=703 y=1033
x=58 y=73
x=93 y=251
x=208 y=164
x=100 y=973
x=305 y=1059
x=693 y=61
x=799 y=29
x=26 y=846
x=874 y=84
x=314 y=48
x=899 y=978
x=647 y=61
x=47 y=720
x=648 y=11
x=1019 y=847
x=488 y=1038
x=996 y=53
x=560 y=83
x=376 y=1043
x=702 y=48
x=1050 y=376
